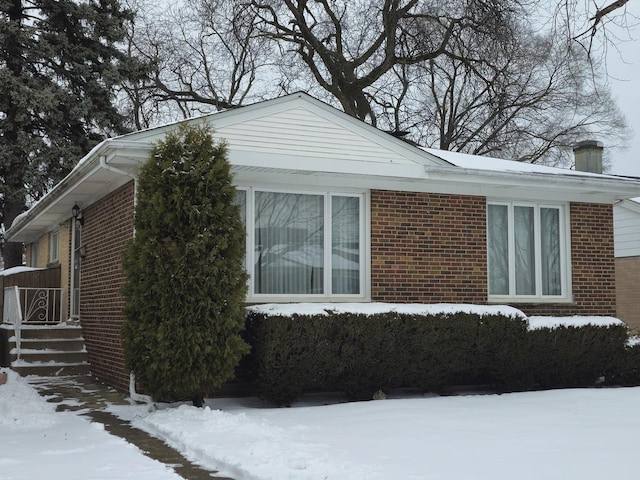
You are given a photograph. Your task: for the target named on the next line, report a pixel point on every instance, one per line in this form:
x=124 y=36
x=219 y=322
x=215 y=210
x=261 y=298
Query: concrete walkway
x=83 y=392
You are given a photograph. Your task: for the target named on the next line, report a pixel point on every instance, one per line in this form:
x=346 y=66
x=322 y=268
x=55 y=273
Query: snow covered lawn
x=39 y=443
x=561 y=434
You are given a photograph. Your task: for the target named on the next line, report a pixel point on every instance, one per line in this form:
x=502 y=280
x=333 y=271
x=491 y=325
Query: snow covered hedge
x=360 y=352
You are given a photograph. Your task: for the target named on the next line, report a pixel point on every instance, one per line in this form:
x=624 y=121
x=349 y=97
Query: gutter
x=104 y=165
x=597 y=183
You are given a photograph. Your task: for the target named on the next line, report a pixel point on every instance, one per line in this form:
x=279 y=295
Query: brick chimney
x=588 y=156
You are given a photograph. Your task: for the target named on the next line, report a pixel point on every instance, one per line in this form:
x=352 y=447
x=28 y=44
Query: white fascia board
x=493 y=185
x=601 y=189
x=630 y=204
x=40 y=216
x=280 y=179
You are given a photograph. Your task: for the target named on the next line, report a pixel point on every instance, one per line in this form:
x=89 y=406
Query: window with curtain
x=303 y=244
x=525 y=250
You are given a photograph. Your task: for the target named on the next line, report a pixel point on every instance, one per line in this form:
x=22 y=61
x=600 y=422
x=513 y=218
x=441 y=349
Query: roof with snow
x=299 y=140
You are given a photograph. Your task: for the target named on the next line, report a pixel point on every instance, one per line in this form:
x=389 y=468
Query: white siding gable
x=626 y=226
x=301 y=133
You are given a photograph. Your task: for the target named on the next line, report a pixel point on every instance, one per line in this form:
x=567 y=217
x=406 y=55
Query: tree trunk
x=198 y=400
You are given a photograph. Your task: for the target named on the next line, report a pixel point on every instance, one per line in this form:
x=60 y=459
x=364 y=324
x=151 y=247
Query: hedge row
x=360 y=354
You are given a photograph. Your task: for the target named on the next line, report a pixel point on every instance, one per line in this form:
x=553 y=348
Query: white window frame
x=54 y=246
x=328 y=194
x=565 y=254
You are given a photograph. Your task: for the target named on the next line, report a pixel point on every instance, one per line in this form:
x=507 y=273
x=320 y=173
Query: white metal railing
x=12 y=313
x=27 y=305
x=33 y=305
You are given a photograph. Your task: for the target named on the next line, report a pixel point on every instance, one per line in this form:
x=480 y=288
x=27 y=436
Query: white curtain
x=525 y=254
x=525 y=250
x=289 y=243
x=550 y=246
x=345 y=245
x=498 y=238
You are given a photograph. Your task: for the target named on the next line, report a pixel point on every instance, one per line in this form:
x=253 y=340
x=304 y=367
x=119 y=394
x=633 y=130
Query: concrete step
x=50 y=369
x=32 y=332
x=49 y=350
x=62 y=345
x=46 y=356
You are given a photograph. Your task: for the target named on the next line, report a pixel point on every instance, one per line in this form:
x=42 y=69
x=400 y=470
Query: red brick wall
x=592 y=265
x=425 y=248
x=428 y=248
x=628 y=291
x=108 y=226
x=432 y=248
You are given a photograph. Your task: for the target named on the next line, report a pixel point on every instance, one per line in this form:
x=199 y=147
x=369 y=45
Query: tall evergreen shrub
x=185 y=282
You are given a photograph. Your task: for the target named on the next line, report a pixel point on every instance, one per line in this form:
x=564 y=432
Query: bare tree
x=530 y=100
x=205 y=56
x=480 y=76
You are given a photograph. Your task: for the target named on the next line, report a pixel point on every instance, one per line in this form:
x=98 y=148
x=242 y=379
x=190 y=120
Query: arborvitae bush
x=185 y=282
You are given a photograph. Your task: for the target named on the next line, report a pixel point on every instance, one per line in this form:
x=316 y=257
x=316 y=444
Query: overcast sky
x=625 y=85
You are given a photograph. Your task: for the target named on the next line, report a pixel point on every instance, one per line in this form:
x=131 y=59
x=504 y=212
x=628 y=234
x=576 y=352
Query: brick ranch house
x=403 y=224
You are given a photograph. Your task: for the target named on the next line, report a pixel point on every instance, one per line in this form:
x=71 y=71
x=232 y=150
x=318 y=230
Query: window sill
x=257 y=299
x=529 y=300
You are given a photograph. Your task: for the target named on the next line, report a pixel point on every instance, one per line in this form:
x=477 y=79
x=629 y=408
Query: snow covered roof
x=297 y=139
x=480 y=162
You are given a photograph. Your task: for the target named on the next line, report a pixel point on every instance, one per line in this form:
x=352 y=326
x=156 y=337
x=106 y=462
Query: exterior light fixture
x=77 y=215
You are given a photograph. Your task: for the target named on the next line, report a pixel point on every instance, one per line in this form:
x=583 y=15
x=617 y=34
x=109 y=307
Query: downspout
x=104 y=165
x=135 y=396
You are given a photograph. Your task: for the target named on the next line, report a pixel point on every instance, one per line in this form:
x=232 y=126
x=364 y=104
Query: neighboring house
x=338 y=211
x=626 y=216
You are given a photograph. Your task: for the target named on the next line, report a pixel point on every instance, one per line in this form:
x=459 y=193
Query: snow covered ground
x=36 y=442
x=560 y=434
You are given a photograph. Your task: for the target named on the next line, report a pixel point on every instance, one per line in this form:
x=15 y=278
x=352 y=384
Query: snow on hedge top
x=536 y=323
x=275 y=309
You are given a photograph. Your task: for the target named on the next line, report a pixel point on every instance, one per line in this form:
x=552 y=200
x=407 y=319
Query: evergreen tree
x=185 y=281
x=60 y=68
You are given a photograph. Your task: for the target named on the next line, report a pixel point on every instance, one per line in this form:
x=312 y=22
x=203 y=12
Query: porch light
x=77 y=216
